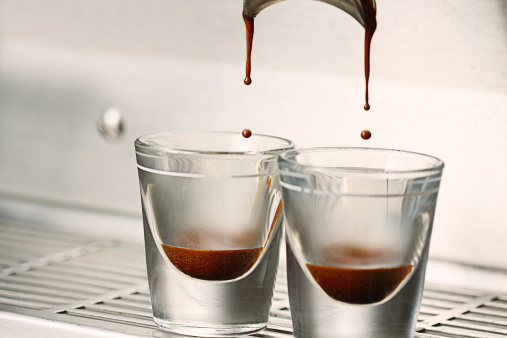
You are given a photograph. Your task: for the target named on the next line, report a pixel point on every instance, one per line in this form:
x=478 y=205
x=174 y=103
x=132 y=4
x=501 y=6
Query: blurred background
x=438 y=85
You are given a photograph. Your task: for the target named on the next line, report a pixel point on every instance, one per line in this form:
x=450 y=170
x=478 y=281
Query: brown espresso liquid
x=209 y=255
x=212 y=264
x=357 y=285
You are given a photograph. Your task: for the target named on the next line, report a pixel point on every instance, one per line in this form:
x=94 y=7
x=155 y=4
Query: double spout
x=364 y=11
x=361 y=10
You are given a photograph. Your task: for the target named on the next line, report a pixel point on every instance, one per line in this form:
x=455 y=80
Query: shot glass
x=212 y=216
x=358 y=226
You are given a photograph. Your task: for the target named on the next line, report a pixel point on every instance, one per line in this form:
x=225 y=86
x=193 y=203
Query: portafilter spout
x=364 y=11
x=361 y=10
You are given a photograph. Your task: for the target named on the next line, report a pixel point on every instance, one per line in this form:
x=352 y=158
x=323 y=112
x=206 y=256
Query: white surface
x=438 y=85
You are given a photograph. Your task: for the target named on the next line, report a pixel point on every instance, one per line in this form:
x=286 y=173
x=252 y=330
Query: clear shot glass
x=212 y=216
x=358 y=227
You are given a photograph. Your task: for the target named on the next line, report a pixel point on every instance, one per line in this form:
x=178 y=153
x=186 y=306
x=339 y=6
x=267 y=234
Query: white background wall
x=438 y=85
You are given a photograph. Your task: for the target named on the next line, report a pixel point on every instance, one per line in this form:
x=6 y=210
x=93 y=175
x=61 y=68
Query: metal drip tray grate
x=101 y=285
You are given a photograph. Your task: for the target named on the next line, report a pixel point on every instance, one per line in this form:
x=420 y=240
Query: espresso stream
x=249 y=25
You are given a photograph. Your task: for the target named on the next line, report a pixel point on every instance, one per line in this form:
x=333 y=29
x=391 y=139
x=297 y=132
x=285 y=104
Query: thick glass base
x=209 y=330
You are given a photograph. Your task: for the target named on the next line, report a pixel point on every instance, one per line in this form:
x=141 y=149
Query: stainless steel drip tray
x=54 y=282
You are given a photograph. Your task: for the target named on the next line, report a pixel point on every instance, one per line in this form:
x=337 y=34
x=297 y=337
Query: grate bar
x=93 y=274
x=102 y=307
x=22 y=303
x=453 y=298
x=139 y=298
x=453 y=331
x=84 y=312
x=8 y=262
x=10 y=250
x=484 y=310
x=442 y=305
x=451 y=290
x=58 y=257
x=41 y=290
x=104 y=285
x=486 y=319
x=39 y=230
x=135 y=302
x=458 y=310
x=139 y=268
x=423 y=316
x=46 y=300
x=36 y=241
x=129 y=305
x=431 y=310
x=101 y=298
x=66 y=286
x=80 y=263
x=496 y=304
x=483 y=326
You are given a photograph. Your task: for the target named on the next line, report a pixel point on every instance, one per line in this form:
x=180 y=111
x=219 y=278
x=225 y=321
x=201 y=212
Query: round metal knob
x=111 y=124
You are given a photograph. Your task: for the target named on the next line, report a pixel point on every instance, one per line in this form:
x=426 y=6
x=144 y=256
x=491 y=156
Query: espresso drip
x=249 y=25
x=370 y=27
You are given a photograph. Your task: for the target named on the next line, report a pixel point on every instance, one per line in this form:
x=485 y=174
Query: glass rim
x=142 y=142
x=438 y=167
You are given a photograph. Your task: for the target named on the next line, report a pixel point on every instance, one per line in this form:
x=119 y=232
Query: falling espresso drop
x=366 y=134
x=246 y=133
